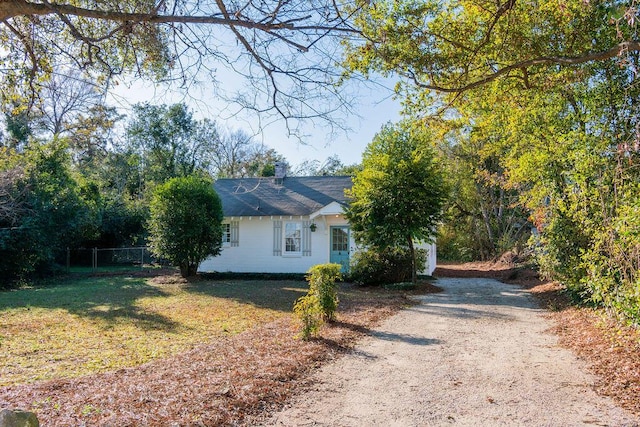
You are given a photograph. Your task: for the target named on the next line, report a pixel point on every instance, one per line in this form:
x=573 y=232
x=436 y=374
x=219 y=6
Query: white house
x=285 y=225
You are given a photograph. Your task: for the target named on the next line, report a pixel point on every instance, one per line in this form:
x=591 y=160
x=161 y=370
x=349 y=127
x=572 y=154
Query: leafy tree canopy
x=169 y=141
x=398 y=196
x=454 y=46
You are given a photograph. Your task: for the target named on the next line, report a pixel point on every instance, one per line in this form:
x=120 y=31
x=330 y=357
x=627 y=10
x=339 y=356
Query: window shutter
x=277 y=238
x=306 y=238
x=235 y=233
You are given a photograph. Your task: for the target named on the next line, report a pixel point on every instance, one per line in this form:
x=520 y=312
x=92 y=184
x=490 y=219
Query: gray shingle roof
x=290 y=196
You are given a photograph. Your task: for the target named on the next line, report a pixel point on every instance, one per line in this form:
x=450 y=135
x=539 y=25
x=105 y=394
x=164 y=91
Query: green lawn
x=88 y=325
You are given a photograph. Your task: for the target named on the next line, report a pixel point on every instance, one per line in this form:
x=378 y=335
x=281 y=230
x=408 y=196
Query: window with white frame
x=292 y=238
x=226 y=234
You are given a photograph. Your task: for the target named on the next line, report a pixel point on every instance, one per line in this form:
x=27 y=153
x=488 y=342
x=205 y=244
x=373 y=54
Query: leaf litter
x=224 y=382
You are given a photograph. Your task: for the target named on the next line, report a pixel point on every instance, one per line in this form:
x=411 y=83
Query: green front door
x=339 y=246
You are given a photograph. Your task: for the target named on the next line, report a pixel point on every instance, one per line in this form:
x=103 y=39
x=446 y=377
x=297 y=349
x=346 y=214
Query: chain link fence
x=110 y=259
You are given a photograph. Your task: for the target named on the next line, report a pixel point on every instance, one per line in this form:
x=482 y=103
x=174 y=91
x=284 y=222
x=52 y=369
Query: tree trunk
x=188 y=270
x=412 y=250
x=184 y=270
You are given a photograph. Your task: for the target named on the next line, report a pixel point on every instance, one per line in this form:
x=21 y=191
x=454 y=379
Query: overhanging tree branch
x=13 y=8
x=285 y=49
x=617 y=50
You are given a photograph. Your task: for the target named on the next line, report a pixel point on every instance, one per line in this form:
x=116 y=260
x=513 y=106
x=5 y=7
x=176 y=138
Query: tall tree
x=168 y=142
x=49 y=210
x=236 y=154
x=483 y=217
x=398 y=196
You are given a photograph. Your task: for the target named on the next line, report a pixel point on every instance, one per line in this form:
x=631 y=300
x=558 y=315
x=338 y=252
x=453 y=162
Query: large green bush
x=612 y=264
x=376 y=266
x=186 y=222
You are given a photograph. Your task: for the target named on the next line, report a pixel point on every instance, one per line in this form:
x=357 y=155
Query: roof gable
x=288 y=196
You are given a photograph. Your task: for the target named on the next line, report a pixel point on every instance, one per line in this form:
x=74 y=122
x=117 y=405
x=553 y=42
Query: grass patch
x=88 y=325
x=231 y=380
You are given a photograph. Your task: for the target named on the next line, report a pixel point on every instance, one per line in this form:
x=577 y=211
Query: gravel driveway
x=477 y=354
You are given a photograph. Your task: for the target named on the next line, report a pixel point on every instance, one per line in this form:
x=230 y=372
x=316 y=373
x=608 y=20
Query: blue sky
x=374 y=105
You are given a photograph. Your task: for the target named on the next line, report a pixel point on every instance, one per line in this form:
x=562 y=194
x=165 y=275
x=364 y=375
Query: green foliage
x=398 y=196
x=186 y=222
x=321 y=302
x=308 y=310
x=171 y=143
x=322 y=280
x=456 y=45
x=612 y=262
x=573 y=157
x=482 y=217
x=375 y=266
x=454 y=243
x=48 y=210
x=123 y=222
x=400 y=191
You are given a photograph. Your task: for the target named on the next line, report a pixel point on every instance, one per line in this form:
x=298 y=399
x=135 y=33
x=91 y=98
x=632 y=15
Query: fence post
x=94 y=261
x=68 y=260
x=142 y=258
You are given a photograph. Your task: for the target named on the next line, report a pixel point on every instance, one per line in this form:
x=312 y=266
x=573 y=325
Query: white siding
x=254 y=253
x=431 y=258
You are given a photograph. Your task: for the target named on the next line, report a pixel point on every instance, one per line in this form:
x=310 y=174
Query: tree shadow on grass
x=279 y=295
x=110 y=300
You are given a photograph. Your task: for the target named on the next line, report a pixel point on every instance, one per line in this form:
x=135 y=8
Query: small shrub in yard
x=321 y=302
x=322 y=281
x=308 y=311
x=376 y=266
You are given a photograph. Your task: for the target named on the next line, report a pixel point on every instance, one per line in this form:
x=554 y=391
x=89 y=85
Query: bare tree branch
x=12 y=197
x=287 y=48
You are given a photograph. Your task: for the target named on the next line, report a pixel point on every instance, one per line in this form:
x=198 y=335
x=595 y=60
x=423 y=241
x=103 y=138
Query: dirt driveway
x=477 y=354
